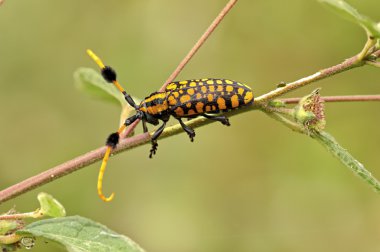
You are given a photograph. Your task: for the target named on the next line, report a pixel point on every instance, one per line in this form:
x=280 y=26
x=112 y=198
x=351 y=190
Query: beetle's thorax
x=155 y=105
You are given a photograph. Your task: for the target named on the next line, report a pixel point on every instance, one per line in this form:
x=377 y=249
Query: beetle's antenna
x=109 y=75
x=111 y=143
x=101 y=174
x=100 y=63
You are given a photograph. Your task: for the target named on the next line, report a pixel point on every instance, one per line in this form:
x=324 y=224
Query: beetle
x=207 y=97
x=189 y=99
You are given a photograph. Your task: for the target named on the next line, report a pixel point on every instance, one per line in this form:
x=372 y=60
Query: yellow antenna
x=110 y=76
x=100 y=176
x=95 y=58
x=99 y=62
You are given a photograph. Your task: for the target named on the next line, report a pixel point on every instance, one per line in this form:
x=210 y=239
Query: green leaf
x=347 y=11
x=344 y=9
x=79 y=234
x=346 y=158
x=91 y=82
x=49 y=206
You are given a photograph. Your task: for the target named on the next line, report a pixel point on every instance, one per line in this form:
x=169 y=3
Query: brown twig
x=346 y=98
x=18 y=216
x=322 y=74
x=199 y=43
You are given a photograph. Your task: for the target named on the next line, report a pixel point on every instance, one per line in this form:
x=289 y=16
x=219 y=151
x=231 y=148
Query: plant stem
x=373 y=63
x=347 y=98
x=371 y=41
x=288 y=123
x=35 y=214
x=322 y=74
x=199 y=43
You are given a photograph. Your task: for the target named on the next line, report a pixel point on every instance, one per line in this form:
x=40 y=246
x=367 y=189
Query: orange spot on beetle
x=240 y=91
x=221 y=103
x=172 y=100
x=235 y=101
x=199 y=107
x=179 y=111
x=210 y=97
x=170 y=86
x=184 y=98
x=204 y=89
x=190 y=91
x=191 y=112
x=248 y=97
x=229 y=88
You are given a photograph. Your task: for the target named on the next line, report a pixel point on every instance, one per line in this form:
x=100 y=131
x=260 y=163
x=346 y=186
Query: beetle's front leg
x=154 y=139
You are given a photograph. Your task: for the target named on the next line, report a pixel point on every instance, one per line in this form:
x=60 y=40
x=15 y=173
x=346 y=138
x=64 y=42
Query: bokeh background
x=255 y=186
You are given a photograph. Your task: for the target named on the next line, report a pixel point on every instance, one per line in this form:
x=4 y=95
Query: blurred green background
x=255 y=186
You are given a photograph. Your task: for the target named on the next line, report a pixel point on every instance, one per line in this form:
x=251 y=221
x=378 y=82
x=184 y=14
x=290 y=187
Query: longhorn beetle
x=183 y=99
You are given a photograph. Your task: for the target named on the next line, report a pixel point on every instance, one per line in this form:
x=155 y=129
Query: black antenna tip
x=113 y=140
x=109 y=74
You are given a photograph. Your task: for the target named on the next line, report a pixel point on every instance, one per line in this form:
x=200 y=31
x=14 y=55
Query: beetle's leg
x=223 y=119
x=145 y=128
x=188 y=130
x=154 y=139
x=191 y=117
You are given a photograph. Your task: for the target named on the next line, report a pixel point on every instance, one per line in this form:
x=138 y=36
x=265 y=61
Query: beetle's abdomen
x=194 y=97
